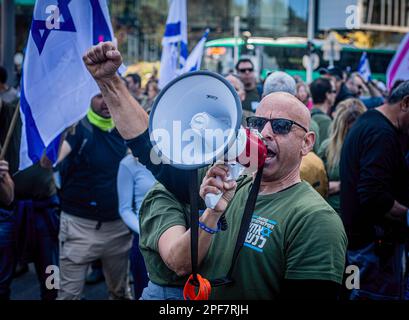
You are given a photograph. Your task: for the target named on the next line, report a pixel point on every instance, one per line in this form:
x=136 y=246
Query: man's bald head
x=238 y=85
x=284 y=105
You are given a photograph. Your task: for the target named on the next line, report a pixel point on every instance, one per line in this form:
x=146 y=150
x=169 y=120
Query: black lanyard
x=244 y=226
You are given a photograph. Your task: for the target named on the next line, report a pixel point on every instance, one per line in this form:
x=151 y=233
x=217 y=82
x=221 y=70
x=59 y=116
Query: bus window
x=218 y=59
x=283 y=58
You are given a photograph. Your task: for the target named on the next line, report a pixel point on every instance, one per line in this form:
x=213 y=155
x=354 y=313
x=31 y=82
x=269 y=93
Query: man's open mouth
x=270 y=154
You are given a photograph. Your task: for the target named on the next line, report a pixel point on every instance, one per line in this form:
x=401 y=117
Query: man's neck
x=269 y=187
x=324 y=107
x=389 y=112
x=250 y=86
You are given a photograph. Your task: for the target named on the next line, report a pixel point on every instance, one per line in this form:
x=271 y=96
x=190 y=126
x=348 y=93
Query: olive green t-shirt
x=160 y=211
x=323 y=121
x=333 y=175
x=294 y=234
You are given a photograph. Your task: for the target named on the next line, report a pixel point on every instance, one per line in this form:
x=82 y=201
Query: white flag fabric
x=174 y=43
x=399 y=66
x=364 y=68
x=194 y=60
x=56 y=88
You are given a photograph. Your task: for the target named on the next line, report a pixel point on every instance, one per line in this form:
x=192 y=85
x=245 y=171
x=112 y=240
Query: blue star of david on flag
x=56 y=86
x=40 y=25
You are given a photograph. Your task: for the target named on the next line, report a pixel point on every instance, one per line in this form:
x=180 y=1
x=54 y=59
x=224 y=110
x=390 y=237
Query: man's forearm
x=129 y=117
x=180 y=250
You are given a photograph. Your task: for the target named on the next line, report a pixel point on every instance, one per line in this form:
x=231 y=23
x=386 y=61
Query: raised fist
x=102 y=60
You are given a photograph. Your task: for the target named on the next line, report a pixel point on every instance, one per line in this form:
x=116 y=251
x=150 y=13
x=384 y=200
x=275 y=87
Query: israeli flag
x=195 y=58
x=174 y=43
x=399 y=66
x=364 y=68
x=56 y=87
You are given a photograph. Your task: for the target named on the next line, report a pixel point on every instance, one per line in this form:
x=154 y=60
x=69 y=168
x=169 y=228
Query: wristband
x=208 y=229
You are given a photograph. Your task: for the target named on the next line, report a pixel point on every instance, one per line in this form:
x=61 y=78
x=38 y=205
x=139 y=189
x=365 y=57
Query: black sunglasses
x=246 y=69
x=279 y=125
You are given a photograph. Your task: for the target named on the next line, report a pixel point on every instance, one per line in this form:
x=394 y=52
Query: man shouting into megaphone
x=295 y=245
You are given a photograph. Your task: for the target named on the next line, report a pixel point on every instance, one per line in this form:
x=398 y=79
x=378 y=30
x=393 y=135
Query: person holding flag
x=48 y=106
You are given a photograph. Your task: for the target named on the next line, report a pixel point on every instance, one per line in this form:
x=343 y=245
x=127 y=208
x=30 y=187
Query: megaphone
x=196 y=121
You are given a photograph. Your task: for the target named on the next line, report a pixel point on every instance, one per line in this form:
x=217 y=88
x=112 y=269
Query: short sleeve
x=316 y=248
x=159 y=211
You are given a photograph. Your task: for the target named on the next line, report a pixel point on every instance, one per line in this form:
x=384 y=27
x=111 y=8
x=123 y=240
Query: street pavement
x=26 y=287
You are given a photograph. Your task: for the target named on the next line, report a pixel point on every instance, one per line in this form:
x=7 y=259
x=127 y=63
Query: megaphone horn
x=179 y=111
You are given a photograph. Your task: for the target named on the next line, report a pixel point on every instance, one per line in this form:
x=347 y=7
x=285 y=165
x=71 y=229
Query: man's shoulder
x=159 y=192
x=319 y=116
x=307 y=202
x=372 y=127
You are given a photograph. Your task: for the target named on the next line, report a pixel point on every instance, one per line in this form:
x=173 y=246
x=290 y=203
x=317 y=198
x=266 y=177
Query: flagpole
x=10 y=131
x=179 y=49
x=310 y=31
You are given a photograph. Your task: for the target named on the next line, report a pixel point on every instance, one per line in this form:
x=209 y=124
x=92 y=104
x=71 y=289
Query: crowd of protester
x=335 y=186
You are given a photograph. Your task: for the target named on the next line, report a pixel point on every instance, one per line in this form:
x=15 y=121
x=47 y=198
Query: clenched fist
x=216 y=182
x=103 y=60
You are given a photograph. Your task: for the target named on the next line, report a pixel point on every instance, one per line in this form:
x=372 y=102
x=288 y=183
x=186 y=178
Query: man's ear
x=404 y=105
x=308 y=143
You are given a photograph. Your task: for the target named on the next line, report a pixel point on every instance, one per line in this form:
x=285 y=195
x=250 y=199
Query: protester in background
x=239 y=87
x=151 y=92
x=347 y=113
x=338 y=77
x=375 y=197
x=323 y=97
x=366 y=91
x=91 y=228
x=8 y=254
x=237 y=84
x=7 y=94
x=303 y=94
x=245 y=70
x=134 y=85
x=36 y=207
x=133 y=182
x=279 y=82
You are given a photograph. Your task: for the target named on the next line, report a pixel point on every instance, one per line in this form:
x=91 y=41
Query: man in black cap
x=335 y=74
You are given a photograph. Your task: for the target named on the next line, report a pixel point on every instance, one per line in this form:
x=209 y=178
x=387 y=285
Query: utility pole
x=8 y=38
x=311 y=24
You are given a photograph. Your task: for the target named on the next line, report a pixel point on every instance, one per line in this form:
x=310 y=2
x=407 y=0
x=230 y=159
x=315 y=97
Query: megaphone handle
x=235 y=170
